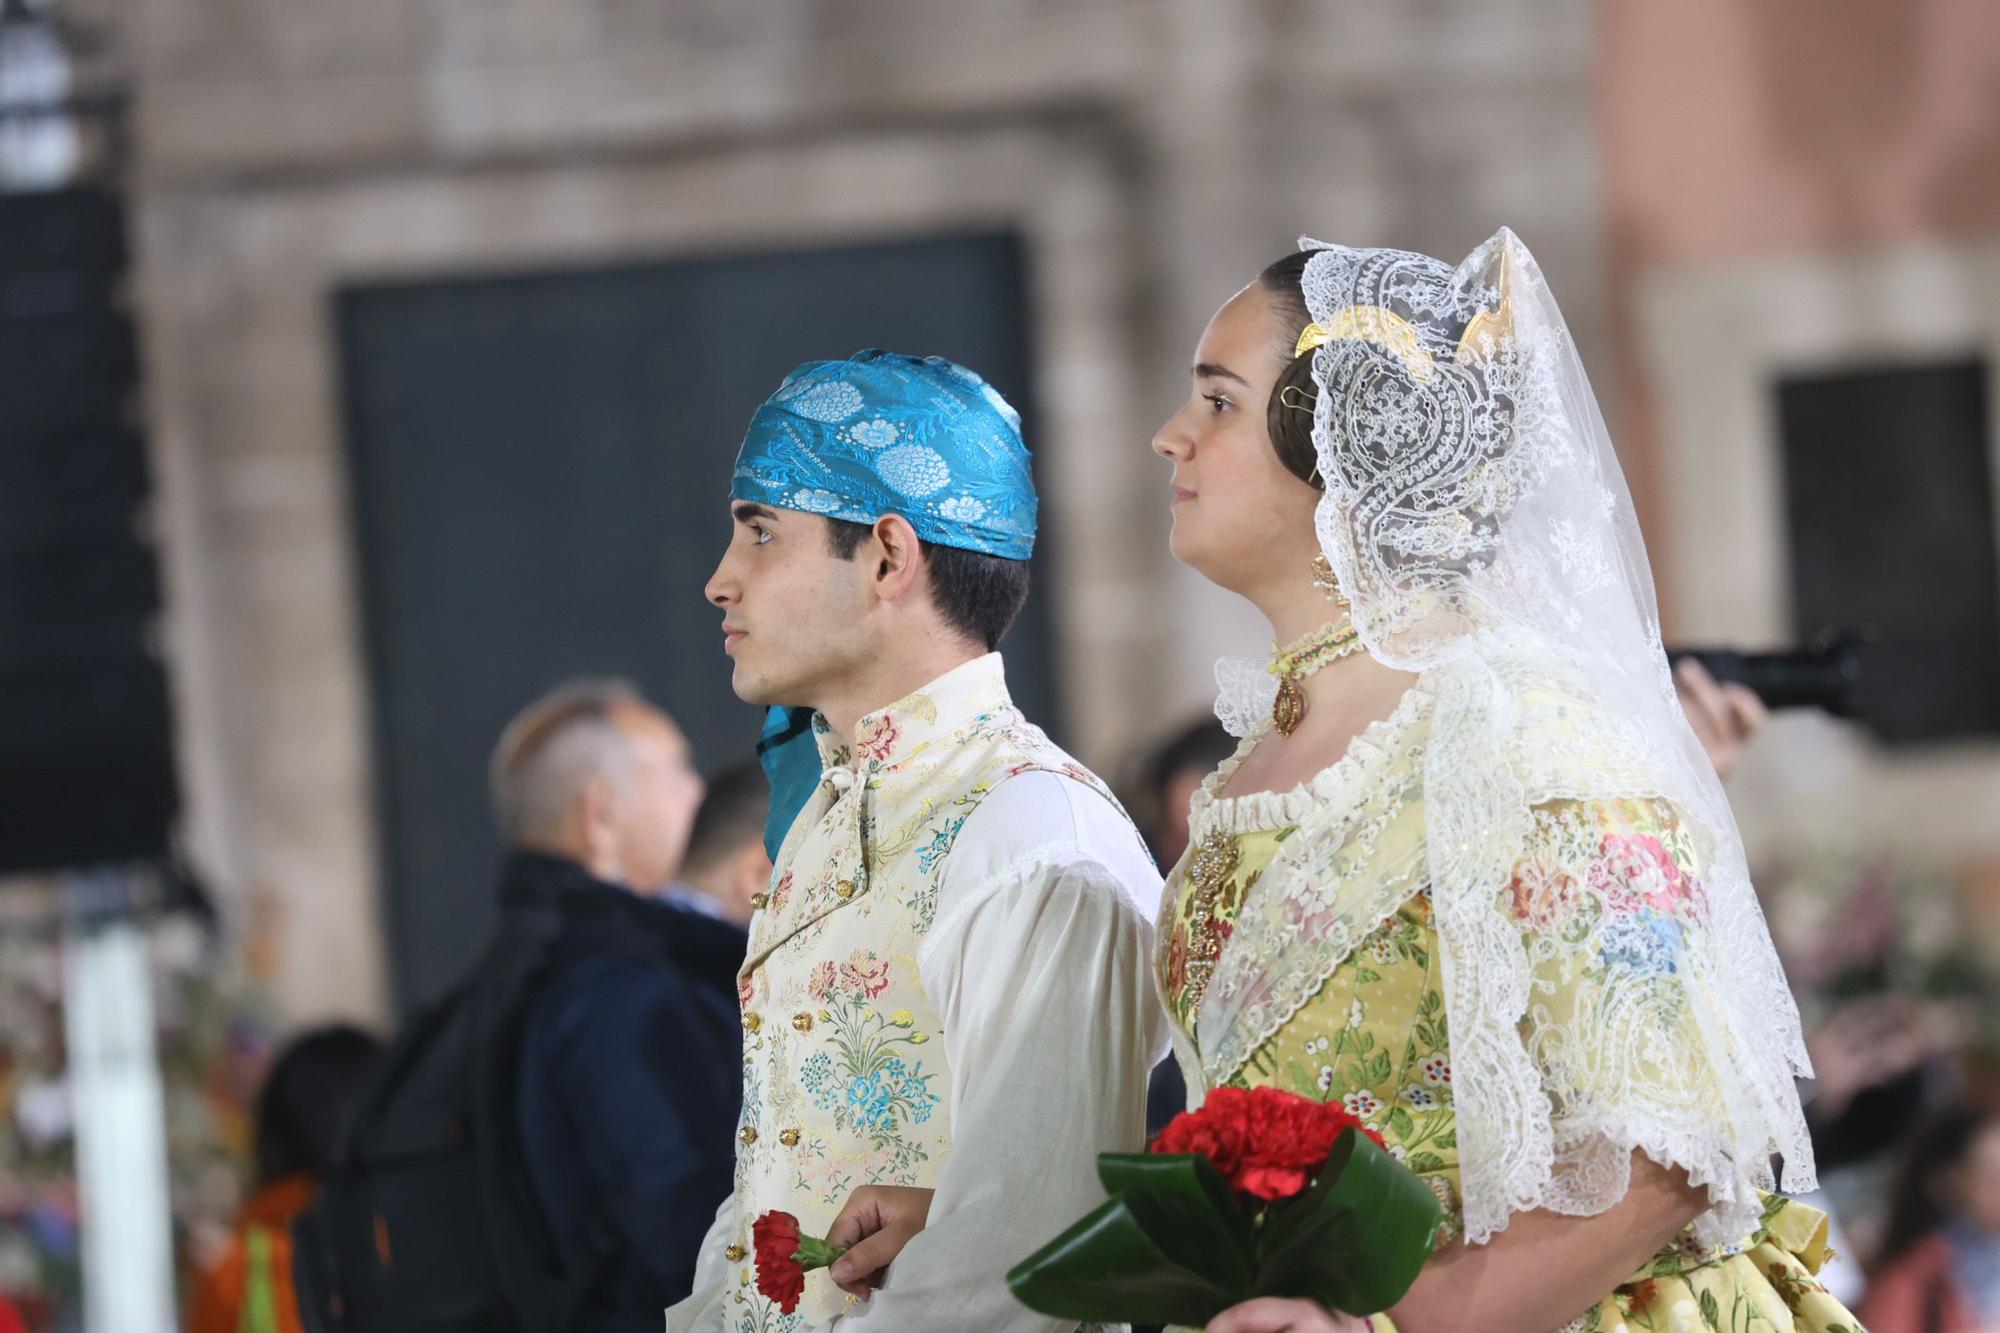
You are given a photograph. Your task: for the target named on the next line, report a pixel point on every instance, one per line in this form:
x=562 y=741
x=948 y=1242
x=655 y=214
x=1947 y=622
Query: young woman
x=1469 y=871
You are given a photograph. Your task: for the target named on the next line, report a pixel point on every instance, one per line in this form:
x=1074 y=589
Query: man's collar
x=890 y=735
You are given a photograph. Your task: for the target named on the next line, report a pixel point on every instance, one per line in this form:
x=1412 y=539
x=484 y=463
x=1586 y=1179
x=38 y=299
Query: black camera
x=1823 y=675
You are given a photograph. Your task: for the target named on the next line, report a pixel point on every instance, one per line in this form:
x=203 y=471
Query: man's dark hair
x=732 y=814
x=979 y=595
x=306 y=1097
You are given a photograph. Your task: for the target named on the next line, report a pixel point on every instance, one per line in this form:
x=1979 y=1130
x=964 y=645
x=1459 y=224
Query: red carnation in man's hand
x=784 y=1257
x=779 y=1276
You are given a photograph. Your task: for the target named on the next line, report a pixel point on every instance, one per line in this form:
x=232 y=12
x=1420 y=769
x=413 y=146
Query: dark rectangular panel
x=86 y=760
x=1889 y=496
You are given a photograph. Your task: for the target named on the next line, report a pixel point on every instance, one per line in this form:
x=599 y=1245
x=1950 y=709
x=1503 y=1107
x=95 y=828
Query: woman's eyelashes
x=1220 y=402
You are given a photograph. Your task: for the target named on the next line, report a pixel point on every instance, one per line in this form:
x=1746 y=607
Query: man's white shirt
x=1040 y=965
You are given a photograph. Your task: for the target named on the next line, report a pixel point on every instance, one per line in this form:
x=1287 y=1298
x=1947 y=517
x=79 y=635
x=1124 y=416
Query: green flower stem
x=816 y=1253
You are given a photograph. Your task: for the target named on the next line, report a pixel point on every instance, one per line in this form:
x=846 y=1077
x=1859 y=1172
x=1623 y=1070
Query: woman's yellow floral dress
x=1374 y=1034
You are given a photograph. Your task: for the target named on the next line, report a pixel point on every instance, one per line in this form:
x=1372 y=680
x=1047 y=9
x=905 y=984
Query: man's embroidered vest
x=845 y=1080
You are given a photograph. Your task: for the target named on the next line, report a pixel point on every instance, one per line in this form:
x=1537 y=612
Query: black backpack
x=428 y=1222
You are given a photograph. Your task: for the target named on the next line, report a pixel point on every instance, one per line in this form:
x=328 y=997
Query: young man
x=948 y=985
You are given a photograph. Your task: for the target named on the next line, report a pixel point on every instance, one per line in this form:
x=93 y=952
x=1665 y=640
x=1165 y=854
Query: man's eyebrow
x=1210 y=371
x=743 y=511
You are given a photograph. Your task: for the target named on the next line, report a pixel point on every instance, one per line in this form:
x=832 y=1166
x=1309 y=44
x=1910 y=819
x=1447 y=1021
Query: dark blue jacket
x=630 y=1084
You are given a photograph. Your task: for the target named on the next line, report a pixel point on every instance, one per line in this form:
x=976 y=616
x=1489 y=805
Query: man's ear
x=900 y=556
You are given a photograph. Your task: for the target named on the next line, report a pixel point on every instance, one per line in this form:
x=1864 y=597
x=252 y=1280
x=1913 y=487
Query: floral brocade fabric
x=1602 y=898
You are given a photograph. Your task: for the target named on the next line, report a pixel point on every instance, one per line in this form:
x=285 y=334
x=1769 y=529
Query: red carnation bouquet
x=784 y=1257
x=1258 y=1193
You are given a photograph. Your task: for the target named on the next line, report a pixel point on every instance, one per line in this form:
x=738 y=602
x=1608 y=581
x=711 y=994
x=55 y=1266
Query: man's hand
x=1270 y=1314
x=1725 y=717
x=875 y=1225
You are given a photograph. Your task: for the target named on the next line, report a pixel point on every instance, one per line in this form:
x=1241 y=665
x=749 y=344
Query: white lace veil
x=1479 y=525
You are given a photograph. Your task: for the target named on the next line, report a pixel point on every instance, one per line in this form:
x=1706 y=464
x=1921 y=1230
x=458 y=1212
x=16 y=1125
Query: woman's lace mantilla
x=1479 y=525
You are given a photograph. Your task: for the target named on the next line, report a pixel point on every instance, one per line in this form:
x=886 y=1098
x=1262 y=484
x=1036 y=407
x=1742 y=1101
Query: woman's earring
x=1324 y=580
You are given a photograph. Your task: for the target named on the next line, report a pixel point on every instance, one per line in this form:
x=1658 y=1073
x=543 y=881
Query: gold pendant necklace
x=1299 y=661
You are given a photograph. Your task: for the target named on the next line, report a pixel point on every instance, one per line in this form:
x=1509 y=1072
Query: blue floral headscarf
x=880 y=434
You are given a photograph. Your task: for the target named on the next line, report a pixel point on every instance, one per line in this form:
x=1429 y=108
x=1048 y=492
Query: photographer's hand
x=1725 y=718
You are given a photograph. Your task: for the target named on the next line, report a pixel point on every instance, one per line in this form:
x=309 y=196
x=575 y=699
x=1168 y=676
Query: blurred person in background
x=300 y=1112
x=629 y=1054
x=1939 y=1267
x=727 y=870
x=1169 y=776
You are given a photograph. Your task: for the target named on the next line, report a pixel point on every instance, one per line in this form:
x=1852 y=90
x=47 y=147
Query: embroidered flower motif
x=876 y=434
x=865 y=974
x=1419 y=1097
x=746 y=990
x=1647 y=943
x=902 y=1018
x=876 y=740
x=1543 y=893
x=914 y=470
x=963 y=509
x=816 y=501
x=869 y=1099
x=1634 y=871
x=781 y=891
x=1361 y=1105
x=1383 y=950
x=817 y=1076
x=910 y=1086
x=1325 y=1079
x=1436 y=1071
x=822 y=982
x=1581 y=556
x=832 y=402
x=1177 y=961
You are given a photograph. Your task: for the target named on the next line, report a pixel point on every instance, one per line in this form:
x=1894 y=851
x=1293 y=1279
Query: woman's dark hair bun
x=1289 y=414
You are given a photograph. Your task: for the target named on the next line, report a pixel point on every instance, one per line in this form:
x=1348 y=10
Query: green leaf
x=1188 y=1177
x=1400 y=1124
x=1357 y=1238
x=1110 y=1268
x=1425 y=1161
